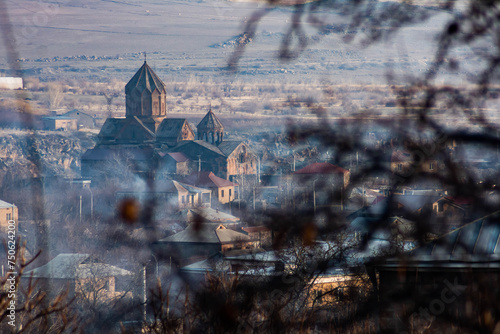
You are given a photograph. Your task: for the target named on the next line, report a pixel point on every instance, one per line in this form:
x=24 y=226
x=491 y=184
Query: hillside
x=59 y=154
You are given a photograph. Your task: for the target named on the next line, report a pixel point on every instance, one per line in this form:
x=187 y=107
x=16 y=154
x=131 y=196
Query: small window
x=431 y=166
x=230 y=193
x=9 y=216
x=319 y=296
x=400 y=167
x=182 y=199
x=339 y=293
x=222 y=193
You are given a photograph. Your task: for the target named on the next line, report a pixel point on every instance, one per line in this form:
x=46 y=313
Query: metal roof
x=206 y=233
x=474 y=245
x=71 y=266
x=5 y=205
x=212 y=215
x=56 y=118
x=480 y=237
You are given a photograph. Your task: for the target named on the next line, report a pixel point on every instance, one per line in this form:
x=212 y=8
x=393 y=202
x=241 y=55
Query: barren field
x=104 y=39
x=73 y=52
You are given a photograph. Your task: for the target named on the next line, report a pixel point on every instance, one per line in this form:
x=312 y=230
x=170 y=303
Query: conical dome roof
x=145 y=79
x=210 y=121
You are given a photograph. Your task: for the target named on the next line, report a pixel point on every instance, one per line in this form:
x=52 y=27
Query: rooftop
x=321 y=168
x=145 y=79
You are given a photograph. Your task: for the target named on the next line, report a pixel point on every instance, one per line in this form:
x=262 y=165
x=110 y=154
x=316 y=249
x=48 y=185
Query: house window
x=339 y=293
x=400 y=167
x=431 y=166
x=9 y=216
x=230 y=193
x=182 y=199
x=222 y=193
x=319 y=296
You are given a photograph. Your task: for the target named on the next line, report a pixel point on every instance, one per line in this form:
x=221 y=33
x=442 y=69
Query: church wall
x=241 y=162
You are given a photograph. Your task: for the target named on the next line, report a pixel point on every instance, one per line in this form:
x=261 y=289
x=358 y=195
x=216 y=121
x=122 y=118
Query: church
x=147 y=141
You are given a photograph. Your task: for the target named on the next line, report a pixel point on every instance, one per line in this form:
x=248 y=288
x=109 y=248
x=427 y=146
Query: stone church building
x=147 y=141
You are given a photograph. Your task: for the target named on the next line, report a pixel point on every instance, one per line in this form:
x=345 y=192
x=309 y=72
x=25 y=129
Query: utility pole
x=258 y=170
x=314 y=195
x=342 y=198
x=80 y=208
x=143 y=292
x=254 y=200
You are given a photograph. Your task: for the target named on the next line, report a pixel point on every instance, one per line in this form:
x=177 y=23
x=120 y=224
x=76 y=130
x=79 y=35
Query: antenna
x=145 y=56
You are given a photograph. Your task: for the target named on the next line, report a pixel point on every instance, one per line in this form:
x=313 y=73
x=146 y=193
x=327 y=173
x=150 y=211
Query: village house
x=450 y=280
x=173 y=163
x=404 y=162
x=203 y=239
x=451 y=212
x=83 y=277
x=320 y=184
x=223 y=191
x=59 y=123
x=170 y=195
x=83 y=120
x=8 y=212
x=261 y=235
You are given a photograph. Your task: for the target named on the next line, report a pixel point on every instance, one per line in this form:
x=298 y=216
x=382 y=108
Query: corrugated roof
x=228 y=147
x=193 y=189
x=480 y=237
x=5 y=205
x=206 y=233
x=67 y=118
x=145 y=79
x=78 y=112
x=321 y=168
x=70 y=266
x=211 y=215
x=208 y=180
x=210 y=121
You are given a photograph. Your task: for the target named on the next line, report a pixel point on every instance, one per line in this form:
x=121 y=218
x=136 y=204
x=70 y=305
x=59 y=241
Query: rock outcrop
x=55 y=153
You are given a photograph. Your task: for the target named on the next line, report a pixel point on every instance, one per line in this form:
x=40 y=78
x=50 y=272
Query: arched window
x=242 y=155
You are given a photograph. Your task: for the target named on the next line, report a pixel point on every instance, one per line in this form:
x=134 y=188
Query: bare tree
x=55 y=95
